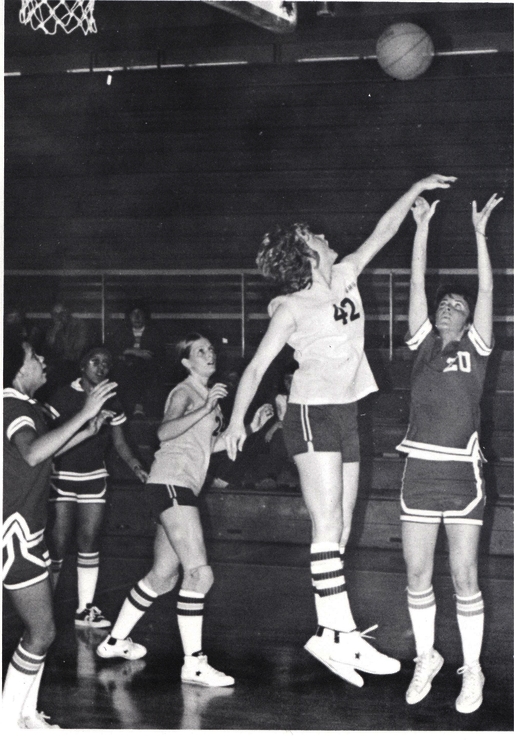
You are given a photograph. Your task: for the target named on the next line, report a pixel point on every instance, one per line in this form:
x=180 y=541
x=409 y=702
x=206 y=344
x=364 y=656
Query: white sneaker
x=428 y=666
x=352 y=649
x=470 y=697
x=197 y=670
x=37 y=722
x=120 y=649
x=320 y=648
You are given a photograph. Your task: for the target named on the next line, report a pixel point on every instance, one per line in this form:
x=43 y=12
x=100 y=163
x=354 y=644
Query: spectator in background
x=65 y=342
x=16 y=326
x=277 y=468
x=139 y=349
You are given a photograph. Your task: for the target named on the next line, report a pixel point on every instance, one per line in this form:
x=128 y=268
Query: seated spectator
x=17 y=327
x=65 y=342
x=139 y=351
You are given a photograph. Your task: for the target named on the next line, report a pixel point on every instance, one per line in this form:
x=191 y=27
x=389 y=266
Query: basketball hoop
x=49 y=15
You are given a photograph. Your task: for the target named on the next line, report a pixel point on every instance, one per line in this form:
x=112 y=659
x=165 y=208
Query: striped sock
x=190 y=620
x=55 y=571
x=88 y=564
x=422 y=610
x=470 y=618
x=22 y=673
x=332 y=604
x=137 y=603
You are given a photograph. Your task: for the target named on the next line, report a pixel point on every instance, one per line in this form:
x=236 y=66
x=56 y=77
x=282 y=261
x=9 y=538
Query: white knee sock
x=137 y=603
x=190 y=620
x=30 y=705
x=23 y=671
x=470 y=618
x=87 y=575
x=422 y=610
x=332 y=604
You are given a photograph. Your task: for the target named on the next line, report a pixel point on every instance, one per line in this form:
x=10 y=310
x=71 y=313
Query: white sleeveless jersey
x=183 y=461
x=328 y=340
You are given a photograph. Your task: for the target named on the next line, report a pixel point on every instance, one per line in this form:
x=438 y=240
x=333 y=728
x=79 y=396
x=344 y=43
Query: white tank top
x=328 y=340
x=183 y=461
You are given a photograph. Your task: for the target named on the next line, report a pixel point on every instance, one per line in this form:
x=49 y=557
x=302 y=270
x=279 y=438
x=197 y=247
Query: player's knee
x=199 y=579
x=465 y=579
x=41 y=635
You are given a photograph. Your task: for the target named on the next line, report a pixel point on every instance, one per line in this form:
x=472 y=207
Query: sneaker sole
x=99 y=626
x=117 y=655
x=208 y=685
x=373 y=671
x=428 y=686
x=349 y=675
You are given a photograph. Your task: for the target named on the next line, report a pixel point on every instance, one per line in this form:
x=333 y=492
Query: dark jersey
x=26 y=487
x=85 y=461
x=446 y=388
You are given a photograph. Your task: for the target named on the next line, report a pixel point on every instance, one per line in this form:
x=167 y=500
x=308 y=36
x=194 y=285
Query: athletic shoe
x=120 y=649
x=428 y=666
x=37 y=722
x=321 y=649
x=91 y=616
x=470 y=697
x=197 y=670
x=353 y=650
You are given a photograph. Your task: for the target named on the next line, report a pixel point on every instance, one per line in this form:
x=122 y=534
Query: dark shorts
x=79 y=491
x=324 y=428
x=434 y=490
x=162 y=496
x=25 y=559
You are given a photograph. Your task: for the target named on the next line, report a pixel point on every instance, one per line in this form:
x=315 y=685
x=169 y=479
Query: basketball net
x=49 y=15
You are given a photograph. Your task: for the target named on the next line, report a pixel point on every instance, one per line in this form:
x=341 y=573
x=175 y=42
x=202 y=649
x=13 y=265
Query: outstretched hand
x=435 y=181
x=261 y=416
x=98 y=396
x=480 y=218
x=422 y=210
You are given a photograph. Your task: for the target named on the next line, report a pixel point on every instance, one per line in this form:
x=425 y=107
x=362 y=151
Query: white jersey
x=183 y=461
x=328 y=340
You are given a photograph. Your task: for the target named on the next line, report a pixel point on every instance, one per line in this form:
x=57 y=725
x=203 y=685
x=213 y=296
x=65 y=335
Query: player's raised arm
x=483 y=318
x=418 y=308
x=393 y=218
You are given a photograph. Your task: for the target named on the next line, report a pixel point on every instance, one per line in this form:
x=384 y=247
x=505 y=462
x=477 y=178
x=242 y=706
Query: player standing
x=28 y=448
x=443 y=479
x=79 y=484
x=189 y=433
x=322 y=318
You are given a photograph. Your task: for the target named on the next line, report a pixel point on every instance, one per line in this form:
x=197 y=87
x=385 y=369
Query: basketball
x=405 y=51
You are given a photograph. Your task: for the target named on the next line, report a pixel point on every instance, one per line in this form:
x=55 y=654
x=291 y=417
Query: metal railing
x=101 y=279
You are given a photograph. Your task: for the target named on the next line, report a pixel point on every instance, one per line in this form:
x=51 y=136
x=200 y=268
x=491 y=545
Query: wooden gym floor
x=259 y=614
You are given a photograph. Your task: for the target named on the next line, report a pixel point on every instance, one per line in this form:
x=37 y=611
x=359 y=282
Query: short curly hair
x=456 y=289
x=284 y=257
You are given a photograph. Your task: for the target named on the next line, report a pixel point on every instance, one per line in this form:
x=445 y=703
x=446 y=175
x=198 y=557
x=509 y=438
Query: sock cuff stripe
x=427 y=605
x=88 y=561
x=420 y=594
x=190 y=599
x=469 y=599
x=327 y=575
x=189 y=612
x=139 y=602
x=144 y=592
x=474 y=612
x=326 y=555
x=331 y=591
x=24 y=653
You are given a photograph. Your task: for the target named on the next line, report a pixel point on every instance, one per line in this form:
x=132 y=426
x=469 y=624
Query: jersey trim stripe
x=19 y=423
x=426 y=451
x=478 y=343
x=422 y=333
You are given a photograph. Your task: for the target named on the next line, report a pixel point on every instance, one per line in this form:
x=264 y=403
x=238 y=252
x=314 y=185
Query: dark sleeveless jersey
x=446 y=388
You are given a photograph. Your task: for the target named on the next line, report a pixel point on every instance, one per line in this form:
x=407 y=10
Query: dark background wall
x=186 y=167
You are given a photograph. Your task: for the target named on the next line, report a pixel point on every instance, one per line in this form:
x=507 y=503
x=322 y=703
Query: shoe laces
x=470 y=678
x=422 y=667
